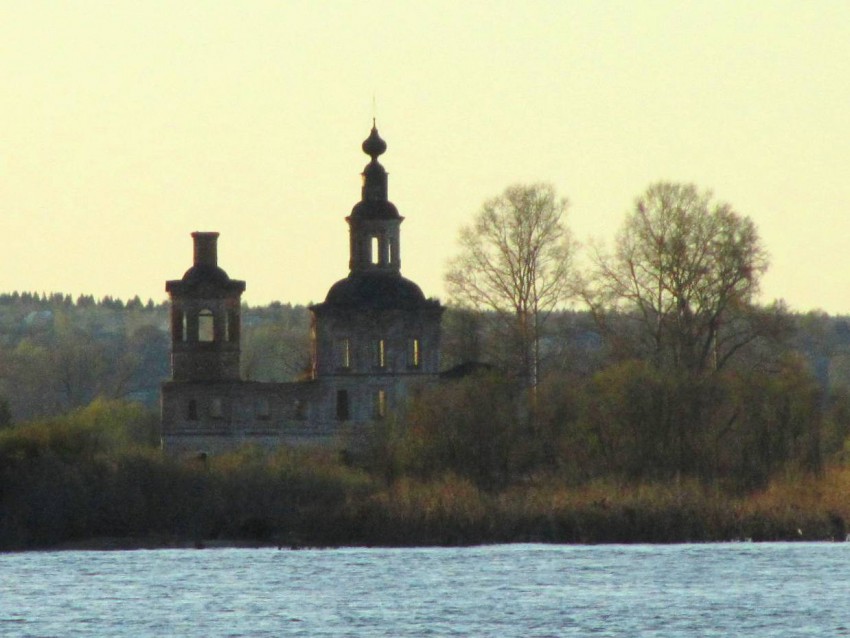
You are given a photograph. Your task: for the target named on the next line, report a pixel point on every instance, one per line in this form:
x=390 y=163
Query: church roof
x=205 y=277
x=377 y=290
x=375 y=209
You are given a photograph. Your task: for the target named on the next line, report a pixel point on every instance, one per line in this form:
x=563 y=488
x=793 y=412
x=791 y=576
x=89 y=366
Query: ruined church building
x=375 y=339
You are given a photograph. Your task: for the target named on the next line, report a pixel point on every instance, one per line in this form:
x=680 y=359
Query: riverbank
x=452 y=512
x=142 y=543
x=84 y=483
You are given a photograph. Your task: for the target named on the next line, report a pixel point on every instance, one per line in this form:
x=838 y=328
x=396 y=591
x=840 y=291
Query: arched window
x=206 y=326
x=376 y=251
x=192 y=410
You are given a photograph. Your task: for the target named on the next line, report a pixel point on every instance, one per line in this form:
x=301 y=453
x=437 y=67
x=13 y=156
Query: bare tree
x=515 y=259
x=678 y=291
x=686 y=269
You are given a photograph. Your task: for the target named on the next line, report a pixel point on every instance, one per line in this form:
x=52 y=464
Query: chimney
x=206 y=252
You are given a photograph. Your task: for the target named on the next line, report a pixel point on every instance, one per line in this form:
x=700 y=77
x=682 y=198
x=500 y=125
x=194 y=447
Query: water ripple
x=777 y=590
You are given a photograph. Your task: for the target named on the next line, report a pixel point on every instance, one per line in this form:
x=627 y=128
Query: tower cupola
x=374 y=175
x=374 y=221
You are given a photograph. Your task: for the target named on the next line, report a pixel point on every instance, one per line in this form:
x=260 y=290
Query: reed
x=92 y=475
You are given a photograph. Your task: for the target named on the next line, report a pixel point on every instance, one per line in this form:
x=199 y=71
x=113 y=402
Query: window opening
x=380 y=404
x=206 y=326
x=342 y=407
x=192 y=411
x=415 y=353
x=184 y=327
x=232 y=329
x=380 y=353
x=216 y=408
x=263 y=409
x=376 y=255
x=343 y=353
x=178 y=330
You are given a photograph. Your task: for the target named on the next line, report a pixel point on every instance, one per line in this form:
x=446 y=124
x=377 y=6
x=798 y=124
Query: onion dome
x=374 y=202
x=374 y=145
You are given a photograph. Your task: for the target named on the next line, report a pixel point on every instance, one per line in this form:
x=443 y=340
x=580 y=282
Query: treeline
x=57 y=354
x=41 y=301
x=603 y=410
x=96 y=478
x=675 y=372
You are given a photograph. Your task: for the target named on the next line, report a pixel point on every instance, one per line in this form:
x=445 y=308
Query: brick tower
x=205 y=318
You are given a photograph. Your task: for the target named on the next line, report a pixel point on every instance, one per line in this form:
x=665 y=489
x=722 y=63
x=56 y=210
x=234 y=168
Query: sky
x=125 y=126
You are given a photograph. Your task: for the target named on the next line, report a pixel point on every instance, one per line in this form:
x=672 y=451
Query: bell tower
x=374 y=222
x=205 y=317
x=375 y=337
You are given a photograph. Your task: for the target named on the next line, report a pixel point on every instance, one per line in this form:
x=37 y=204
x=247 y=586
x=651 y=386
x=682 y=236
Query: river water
x=744 y=589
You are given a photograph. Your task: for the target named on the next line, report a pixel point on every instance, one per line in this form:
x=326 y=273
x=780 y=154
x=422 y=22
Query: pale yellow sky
x=125 y=126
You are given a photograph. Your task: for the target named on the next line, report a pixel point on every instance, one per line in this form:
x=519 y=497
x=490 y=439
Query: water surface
x=764 y=590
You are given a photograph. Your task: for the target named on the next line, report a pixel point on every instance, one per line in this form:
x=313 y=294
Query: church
x=375 y=340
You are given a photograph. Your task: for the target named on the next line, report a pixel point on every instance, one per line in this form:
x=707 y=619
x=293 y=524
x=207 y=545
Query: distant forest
x=58 y=353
